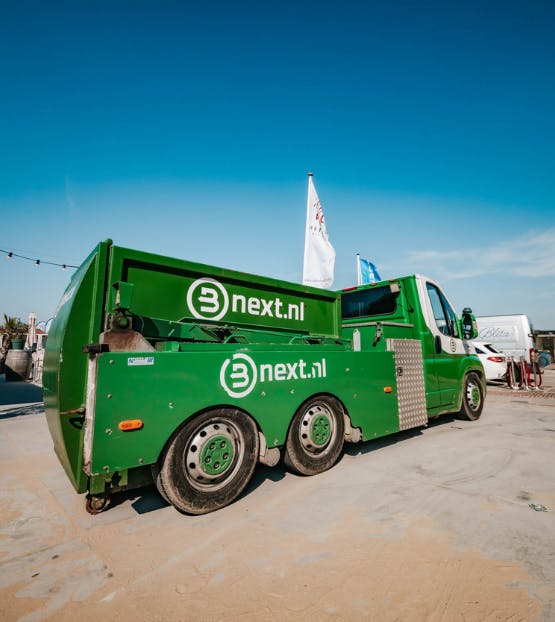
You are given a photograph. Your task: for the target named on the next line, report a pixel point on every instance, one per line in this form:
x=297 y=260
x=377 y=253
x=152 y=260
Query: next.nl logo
x=240 y=374
x=208 y=299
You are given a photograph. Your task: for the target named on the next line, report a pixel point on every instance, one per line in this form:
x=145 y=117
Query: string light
x=37 y=262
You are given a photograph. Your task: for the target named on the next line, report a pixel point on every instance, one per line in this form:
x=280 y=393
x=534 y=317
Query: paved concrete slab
x=430 y=524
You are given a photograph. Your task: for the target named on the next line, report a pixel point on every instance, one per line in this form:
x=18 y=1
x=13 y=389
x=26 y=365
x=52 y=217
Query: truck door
x=444 y=363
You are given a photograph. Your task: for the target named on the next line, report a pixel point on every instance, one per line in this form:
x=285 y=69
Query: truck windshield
x=374 y=301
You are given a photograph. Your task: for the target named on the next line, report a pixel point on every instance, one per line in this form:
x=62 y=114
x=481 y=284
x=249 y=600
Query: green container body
x=169 y=299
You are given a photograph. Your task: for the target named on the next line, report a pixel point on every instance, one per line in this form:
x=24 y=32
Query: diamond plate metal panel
x=411 y=391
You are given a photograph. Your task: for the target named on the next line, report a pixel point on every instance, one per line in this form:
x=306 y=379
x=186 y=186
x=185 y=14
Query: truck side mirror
x=469 y=326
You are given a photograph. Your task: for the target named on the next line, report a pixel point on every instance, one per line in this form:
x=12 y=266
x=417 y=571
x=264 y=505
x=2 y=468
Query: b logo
x=238 y=375
x=210 y=302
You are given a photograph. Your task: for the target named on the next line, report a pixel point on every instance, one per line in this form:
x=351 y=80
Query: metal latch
x=95 y=348
x=378 y=334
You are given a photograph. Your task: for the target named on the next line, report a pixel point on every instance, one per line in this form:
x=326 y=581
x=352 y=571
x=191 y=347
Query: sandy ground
x=433 y=524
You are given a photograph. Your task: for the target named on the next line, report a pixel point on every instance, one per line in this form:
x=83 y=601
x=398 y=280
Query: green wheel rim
x=320 y=430
x=216 y=455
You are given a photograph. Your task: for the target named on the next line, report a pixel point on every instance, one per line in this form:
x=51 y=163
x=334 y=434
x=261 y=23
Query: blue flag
x=367 y=271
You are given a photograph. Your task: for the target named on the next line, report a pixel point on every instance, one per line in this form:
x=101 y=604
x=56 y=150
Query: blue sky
x=188 y=129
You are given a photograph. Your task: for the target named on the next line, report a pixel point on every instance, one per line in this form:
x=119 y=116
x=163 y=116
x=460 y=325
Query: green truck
x=187 y=375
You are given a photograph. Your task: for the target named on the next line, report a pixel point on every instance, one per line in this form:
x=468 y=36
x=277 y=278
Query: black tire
x=472 y=398
x=209 y=461
x=316 y=435
x=155 y=472
x=96 y=504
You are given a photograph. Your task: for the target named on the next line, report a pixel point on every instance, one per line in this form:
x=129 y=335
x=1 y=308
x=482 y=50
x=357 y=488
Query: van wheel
x=472 y=399
x=209 y=462
x=315 y=438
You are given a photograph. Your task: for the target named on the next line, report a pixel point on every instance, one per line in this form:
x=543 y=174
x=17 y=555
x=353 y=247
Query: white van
x=512 y=334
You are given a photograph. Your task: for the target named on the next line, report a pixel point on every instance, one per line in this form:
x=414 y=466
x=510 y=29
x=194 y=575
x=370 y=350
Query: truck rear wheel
x=315 y=438
x=472 y=398
x=209 y=462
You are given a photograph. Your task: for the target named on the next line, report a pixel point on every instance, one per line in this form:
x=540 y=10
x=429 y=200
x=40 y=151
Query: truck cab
x=414 y=307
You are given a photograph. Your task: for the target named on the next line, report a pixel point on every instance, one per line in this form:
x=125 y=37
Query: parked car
x=493 y=361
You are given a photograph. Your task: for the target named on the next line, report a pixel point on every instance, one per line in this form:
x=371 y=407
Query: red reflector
x=388 y=389
x=349 y=289
x=130 y=424
x=496 y=359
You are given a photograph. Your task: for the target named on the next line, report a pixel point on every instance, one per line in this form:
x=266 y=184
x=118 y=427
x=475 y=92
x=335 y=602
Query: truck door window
x=443 y=313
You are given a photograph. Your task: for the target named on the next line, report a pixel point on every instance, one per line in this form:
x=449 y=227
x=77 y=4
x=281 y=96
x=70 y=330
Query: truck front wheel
x=472 y=398
x=210 y=461
x=315 y=438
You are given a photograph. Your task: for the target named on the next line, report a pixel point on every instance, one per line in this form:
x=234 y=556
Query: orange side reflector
x=388 y=389
x=130 y=424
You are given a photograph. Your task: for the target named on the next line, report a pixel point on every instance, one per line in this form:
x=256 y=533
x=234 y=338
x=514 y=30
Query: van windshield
x=375 y=301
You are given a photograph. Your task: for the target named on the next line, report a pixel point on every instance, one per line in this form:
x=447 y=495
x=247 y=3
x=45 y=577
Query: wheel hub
x=320 y=430
x=216 y=455
x=317 y=428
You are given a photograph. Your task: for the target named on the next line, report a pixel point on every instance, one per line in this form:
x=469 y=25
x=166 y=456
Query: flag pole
x=307 y=226
x=359 y=275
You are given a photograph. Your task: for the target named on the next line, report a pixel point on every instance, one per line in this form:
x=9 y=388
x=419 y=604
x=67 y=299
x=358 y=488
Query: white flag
x=319 y=255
